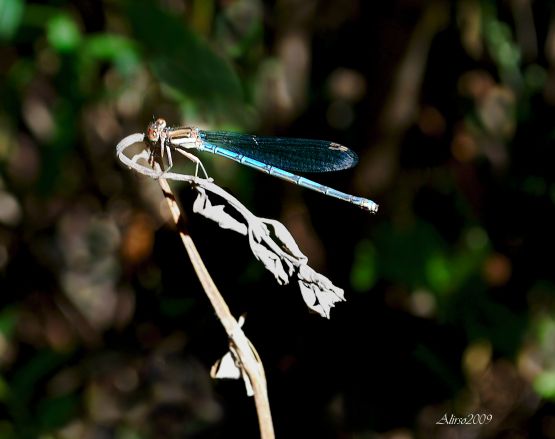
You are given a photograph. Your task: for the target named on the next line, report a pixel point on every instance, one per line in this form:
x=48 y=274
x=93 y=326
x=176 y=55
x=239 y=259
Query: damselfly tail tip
x=370 y=206
x=365 y=204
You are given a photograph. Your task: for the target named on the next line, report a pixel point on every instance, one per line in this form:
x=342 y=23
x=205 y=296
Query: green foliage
x=63 y=34
x=8 y=320
x=11 y=12
x=56 y=411
x=544 y=384
x=7 y=430
x=363 y=273
x=423 y=265
x=483 y=317
x=181 y=60
x=175 y=307
x=4 y=389
x=50 y=412
x=116 y=49
x=499 y=37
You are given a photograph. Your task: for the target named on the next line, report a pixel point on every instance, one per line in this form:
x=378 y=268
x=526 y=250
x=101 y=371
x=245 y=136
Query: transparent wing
x=296 y=155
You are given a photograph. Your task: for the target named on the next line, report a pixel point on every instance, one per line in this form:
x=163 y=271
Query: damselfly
x=274 y=155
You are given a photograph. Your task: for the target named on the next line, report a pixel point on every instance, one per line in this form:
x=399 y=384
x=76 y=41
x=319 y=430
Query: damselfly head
x=155 y=129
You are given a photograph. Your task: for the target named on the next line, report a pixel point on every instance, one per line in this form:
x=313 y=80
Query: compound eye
x=155 y=129
x=152 y=133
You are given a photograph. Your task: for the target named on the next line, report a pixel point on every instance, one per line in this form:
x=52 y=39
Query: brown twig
x=239 y=344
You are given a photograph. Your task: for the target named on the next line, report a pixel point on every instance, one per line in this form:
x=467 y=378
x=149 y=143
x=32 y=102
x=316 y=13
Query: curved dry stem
x=239 y=344
x=241 y=348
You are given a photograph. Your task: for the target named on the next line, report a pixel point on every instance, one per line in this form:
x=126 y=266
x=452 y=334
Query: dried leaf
x=204 y=207
x=271 y=261
x=228 y=367
x=319 y=294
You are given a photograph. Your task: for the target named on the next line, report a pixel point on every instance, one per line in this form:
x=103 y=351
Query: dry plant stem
x=239 y=342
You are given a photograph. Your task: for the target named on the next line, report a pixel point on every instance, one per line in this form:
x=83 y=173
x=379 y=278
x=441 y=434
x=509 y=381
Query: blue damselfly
x=273 y=155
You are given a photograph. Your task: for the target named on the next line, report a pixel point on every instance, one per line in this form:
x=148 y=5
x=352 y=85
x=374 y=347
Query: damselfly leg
x=195 y=160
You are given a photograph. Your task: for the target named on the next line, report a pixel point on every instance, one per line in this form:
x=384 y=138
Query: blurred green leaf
x=483 y=317
x=20 y=75
x=184 y=62
x=7 y=430
x=535 y=76
x=11 y=12
x=176 y=307
x=57 y=411
x=24 y=381
x=544 y=384
x=115 y=48
x=545 y=328
x=438 y=272
x=501 y=44
x=126 y=432
x=8 y=320
x=238 y=36
x=4 y=389
x=407 y=255
x=38 y=15
x=469 y=259
x=63 y=33
x=363 y=273
x=51 y=178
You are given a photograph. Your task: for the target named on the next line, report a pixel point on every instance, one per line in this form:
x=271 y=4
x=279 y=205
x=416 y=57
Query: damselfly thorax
x=159 y=135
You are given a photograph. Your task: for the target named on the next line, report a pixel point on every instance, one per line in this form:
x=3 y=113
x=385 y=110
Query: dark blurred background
x=105 y=331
